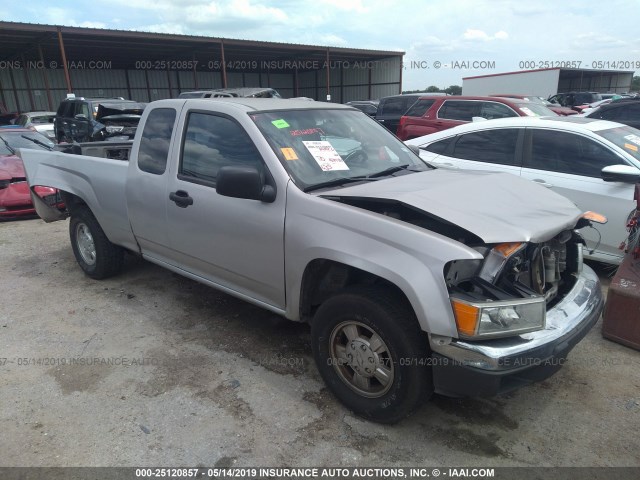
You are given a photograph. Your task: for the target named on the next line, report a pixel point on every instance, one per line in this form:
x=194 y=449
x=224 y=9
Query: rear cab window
x=155 y=141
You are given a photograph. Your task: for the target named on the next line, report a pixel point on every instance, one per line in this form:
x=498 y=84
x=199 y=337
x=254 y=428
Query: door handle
x=181 y=198
x=540 y=181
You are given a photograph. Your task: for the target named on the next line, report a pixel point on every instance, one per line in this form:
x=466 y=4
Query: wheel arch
x=323 y=277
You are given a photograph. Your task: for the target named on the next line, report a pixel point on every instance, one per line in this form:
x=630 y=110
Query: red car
x=432 y=114
x=554 y=107
x=15 y=199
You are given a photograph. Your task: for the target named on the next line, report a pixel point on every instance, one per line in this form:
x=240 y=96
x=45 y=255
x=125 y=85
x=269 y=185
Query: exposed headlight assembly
x=496 y=259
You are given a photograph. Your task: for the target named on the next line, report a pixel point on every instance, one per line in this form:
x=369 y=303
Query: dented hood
x=497 y=207
x=122 y=111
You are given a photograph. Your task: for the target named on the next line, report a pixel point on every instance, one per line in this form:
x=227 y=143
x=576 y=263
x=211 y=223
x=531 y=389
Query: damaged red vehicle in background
x=15 y=199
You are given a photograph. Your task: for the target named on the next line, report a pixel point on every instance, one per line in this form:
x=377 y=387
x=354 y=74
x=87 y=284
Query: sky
x=443 y=40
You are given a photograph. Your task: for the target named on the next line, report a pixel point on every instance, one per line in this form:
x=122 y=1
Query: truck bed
x=99 y=181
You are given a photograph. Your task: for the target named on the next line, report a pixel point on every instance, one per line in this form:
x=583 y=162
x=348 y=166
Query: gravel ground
x=149 y=368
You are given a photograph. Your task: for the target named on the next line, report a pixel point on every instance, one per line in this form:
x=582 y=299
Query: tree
x=454 y=90
x=635 y=84
x=432 y=89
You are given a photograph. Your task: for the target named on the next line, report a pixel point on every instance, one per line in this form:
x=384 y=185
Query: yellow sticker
x=631 y=147
x=289 y=153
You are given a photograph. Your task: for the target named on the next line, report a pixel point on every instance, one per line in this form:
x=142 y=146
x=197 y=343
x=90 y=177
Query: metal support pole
x=46 y=79
x=224 y=66
x=370 y=78
x=15 y=91
x=64 y=61
x=328 y=78
x=25 y=71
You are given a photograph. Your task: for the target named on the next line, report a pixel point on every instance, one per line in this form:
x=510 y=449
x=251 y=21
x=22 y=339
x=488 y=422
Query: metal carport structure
x=40 y=64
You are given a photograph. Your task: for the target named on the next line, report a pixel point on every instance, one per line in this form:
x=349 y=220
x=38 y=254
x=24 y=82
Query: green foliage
x=451 y=90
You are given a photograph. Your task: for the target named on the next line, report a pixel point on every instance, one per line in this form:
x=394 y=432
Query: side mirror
x=244 y=182
x=80 y=116
x=620 y=173
x=414 y=148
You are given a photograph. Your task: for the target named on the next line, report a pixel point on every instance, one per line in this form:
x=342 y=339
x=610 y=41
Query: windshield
x=627 y=138
x=42 y=120
x=26 y=140
x=320 y=146
x=532 y=109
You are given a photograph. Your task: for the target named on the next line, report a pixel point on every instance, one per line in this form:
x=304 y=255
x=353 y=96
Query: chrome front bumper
x=534 y=355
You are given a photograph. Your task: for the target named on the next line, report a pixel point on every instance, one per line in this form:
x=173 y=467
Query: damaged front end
x=518 y=311
x=509 y=292
x=118 y=121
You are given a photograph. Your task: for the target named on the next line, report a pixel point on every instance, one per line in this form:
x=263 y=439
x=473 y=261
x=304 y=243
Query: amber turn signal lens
x=466 y=317
x=595 y=217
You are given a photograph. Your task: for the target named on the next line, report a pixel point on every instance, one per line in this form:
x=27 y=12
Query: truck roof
x=255 y=104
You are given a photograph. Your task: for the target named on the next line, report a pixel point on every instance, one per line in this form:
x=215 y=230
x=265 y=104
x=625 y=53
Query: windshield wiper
x=390 y=170
x=37 y=142
x=337 y=182
x=9 y=147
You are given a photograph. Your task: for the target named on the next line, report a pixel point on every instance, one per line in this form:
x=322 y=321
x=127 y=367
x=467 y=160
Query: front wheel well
x=323 y=278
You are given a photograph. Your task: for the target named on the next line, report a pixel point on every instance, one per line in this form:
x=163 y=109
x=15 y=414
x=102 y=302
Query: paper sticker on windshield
x=633 y=138
x=289 y=153
x=527 y=111
x=631 y=147
x=280 y=123
x=326 y=156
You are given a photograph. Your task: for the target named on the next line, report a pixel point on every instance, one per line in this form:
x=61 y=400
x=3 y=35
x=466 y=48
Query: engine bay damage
x=519 y=270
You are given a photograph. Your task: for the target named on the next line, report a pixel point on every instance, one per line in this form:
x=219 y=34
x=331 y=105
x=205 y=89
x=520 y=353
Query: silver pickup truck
x=415 y=280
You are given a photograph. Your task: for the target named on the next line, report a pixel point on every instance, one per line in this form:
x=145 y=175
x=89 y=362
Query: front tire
x=371 y=353
x=96 y=255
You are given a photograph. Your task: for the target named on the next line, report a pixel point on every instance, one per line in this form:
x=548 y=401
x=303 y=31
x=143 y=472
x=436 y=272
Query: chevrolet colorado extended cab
x=415 y=280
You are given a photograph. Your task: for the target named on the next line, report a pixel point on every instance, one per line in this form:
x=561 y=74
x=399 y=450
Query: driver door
x=233 y=242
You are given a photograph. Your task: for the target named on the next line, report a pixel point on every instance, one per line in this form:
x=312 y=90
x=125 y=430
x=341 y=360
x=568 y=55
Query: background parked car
x=370 y=107
x=15 y=199
x=625 y=111
x=7 y=117
x=566 y=154
x=81 y=119
x=391 y=109
x=574 y=100
x=233 y=92
x=429 y=115
x=41 y=122
x=554 y=107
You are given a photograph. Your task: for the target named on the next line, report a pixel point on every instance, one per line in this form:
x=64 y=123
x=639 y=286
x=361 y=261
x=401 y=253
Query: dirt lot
x=166 y=371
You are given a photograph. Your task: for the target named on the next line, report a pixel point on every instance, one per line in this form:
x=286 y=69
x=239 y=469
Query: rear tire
x=371 y=353
x=96 y=255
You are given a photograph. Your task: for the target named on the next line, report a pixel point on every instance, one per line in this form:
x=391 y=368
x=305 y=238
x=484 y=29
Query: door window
x=419 y=108
x=491 y=146
x=212 y=142
x=492 y=110
x=569 y=153
x=459 y=110
x=440 y=147
x=395 y=106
